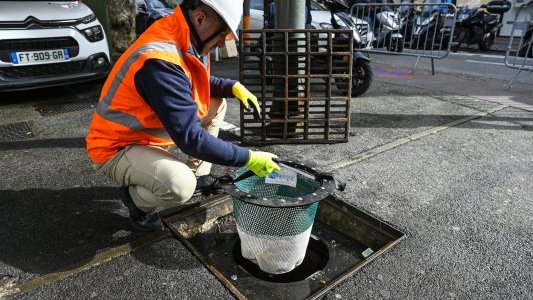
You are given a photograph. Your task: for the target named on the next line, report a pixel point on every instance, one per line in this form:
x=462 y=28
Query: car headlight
x=88 y=19
x=93 y=34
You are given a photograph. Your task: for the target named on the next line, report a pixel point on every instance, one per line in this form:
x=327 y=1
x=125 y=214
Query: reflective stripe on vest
x=123 y=118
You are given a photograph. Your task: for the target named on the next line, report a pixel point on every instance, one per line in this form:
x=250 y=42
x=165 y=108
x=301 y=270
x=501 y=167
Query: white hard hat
x=229 y=10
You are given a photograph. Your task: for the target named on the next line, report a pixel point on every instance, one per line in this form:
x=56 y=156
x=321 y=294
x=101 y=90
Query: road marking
x=492 y=56
x=462 y=54
x=485 y=62
x=393 y=73
x=91 y=263
x=389 y=146
x=477 y=54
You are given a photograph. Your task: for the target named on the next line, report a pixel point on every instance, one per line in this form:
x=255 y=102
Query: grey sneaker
x=140 y=220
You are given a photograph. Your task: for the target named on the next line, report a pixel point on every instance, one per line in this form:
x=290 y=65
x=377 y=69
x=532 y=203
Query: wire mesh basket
x=274 y=217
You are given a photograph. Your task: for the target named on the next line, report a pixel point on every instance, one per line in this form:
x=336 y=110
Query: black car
x=148 y=11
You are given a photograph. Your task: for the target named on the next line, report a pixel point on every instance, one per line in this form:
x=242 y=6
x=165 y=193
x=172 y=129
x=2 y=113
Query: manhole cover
x=50 y=109
x=343 y=240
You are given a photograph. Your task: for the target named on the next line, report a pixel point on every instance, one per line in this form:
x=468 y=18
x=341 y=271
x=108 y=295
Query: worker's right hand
x=261 y=163
x=244 y=95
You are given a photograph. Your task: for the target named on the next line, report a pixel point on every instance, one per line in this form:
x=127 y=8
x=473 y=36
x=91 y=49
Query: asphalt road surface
x=479 y=64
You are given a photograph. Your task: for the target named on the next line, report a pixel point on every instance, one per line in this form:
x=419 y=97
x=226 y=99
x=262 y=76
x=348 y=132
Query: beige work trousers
x=156 y=178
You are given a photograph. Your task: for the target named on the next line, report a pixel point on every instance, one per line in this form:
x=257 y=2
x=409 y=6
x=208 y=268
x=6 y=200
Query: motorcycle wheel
x=523 y=52
x=423 y=41
x=458 y=37
x=455 y=46
x=362 y=76
x=394 y=45
x=486 y=43
x=429 y=42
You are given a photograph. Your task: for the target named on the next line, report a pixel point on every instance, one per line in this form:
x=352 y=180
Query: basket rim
x=326 y=188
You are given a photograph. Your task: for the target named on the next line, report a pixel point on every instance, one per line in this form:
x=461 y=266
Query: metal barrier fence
x=409 y=29
x=520 y=57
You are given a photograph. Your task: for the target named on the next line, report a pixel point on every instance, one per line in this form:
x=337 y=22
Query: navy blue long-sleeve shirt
x=166 y=88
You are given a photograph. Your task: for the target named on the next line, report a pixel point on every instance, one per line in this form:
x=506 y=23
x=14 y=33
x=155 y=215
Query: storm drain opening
x=343 y=239
x=50 y=109
x=275 y=215
x=316 y=258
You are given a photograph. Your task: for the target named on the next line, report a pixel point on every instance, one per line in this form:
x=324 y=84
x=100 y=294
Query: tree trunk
x=122 y=23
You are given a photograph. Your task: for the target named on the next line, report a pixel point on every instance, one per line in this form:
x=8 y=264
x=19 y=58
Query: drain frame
x=344 y=229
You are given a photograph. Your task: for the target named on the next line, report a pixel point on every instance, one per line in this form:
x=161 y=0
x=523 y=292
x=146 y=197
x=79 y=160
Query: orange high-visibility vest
x=122 y=117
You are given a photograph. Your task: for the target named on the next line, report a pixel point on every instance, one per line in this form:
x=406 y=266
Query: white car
x=47 y=43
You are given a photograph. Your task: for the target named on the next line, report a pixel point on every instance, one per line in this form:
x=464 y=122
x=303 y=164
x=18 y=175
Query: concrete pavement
x=446 y=158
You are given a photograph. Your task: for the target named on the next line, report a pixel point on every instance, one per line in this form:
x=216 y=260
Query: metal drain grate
x=15 y=132
x=300 y=79
x=50 y=109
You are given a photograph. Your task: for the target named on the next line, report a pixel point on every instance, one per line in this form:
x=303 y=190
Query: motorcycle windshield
x=428 y=10
x=440 y=8
x=383 y=7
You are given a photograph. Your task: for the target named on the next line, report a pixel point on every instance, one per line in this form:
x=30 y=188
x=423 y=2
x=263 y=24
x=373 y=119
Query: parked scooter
x=407 y=15
x=479 y=25
x=386 y=23
x=362 y=73
x=363 y=36
x=430 y=28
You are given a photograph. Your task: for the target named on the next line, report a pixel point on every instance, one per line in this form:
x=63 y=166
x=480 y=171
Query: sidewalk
x=447 y=159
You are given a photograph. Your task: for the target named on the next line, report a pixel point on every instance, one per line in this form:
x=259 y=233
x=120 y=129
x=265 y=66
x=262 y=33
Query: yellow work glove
x=261 y=163
x=244 y=95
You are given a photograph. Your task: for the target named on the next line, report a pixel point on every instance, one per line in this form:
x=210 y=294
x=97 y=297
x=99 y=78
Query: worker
x=159 y=94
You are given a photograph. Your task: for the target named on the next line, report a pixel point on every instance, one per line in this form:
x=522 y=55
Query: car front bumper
x=87 y=61
x=46 y=75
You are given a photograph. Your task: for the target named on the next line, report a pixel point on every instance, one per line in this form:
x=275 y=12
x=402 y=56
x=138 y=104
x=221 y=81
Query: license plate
x=28 y=57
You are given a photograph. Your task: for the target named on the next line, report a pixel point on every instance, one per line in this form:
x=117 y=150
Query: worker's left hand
x=244 y=95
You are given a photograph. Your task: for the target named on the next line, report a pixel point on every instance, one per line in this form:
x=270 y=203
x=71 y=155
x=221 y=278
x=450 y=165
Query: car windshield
x=256 y=4
x=316 y=6
x=161 y=4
